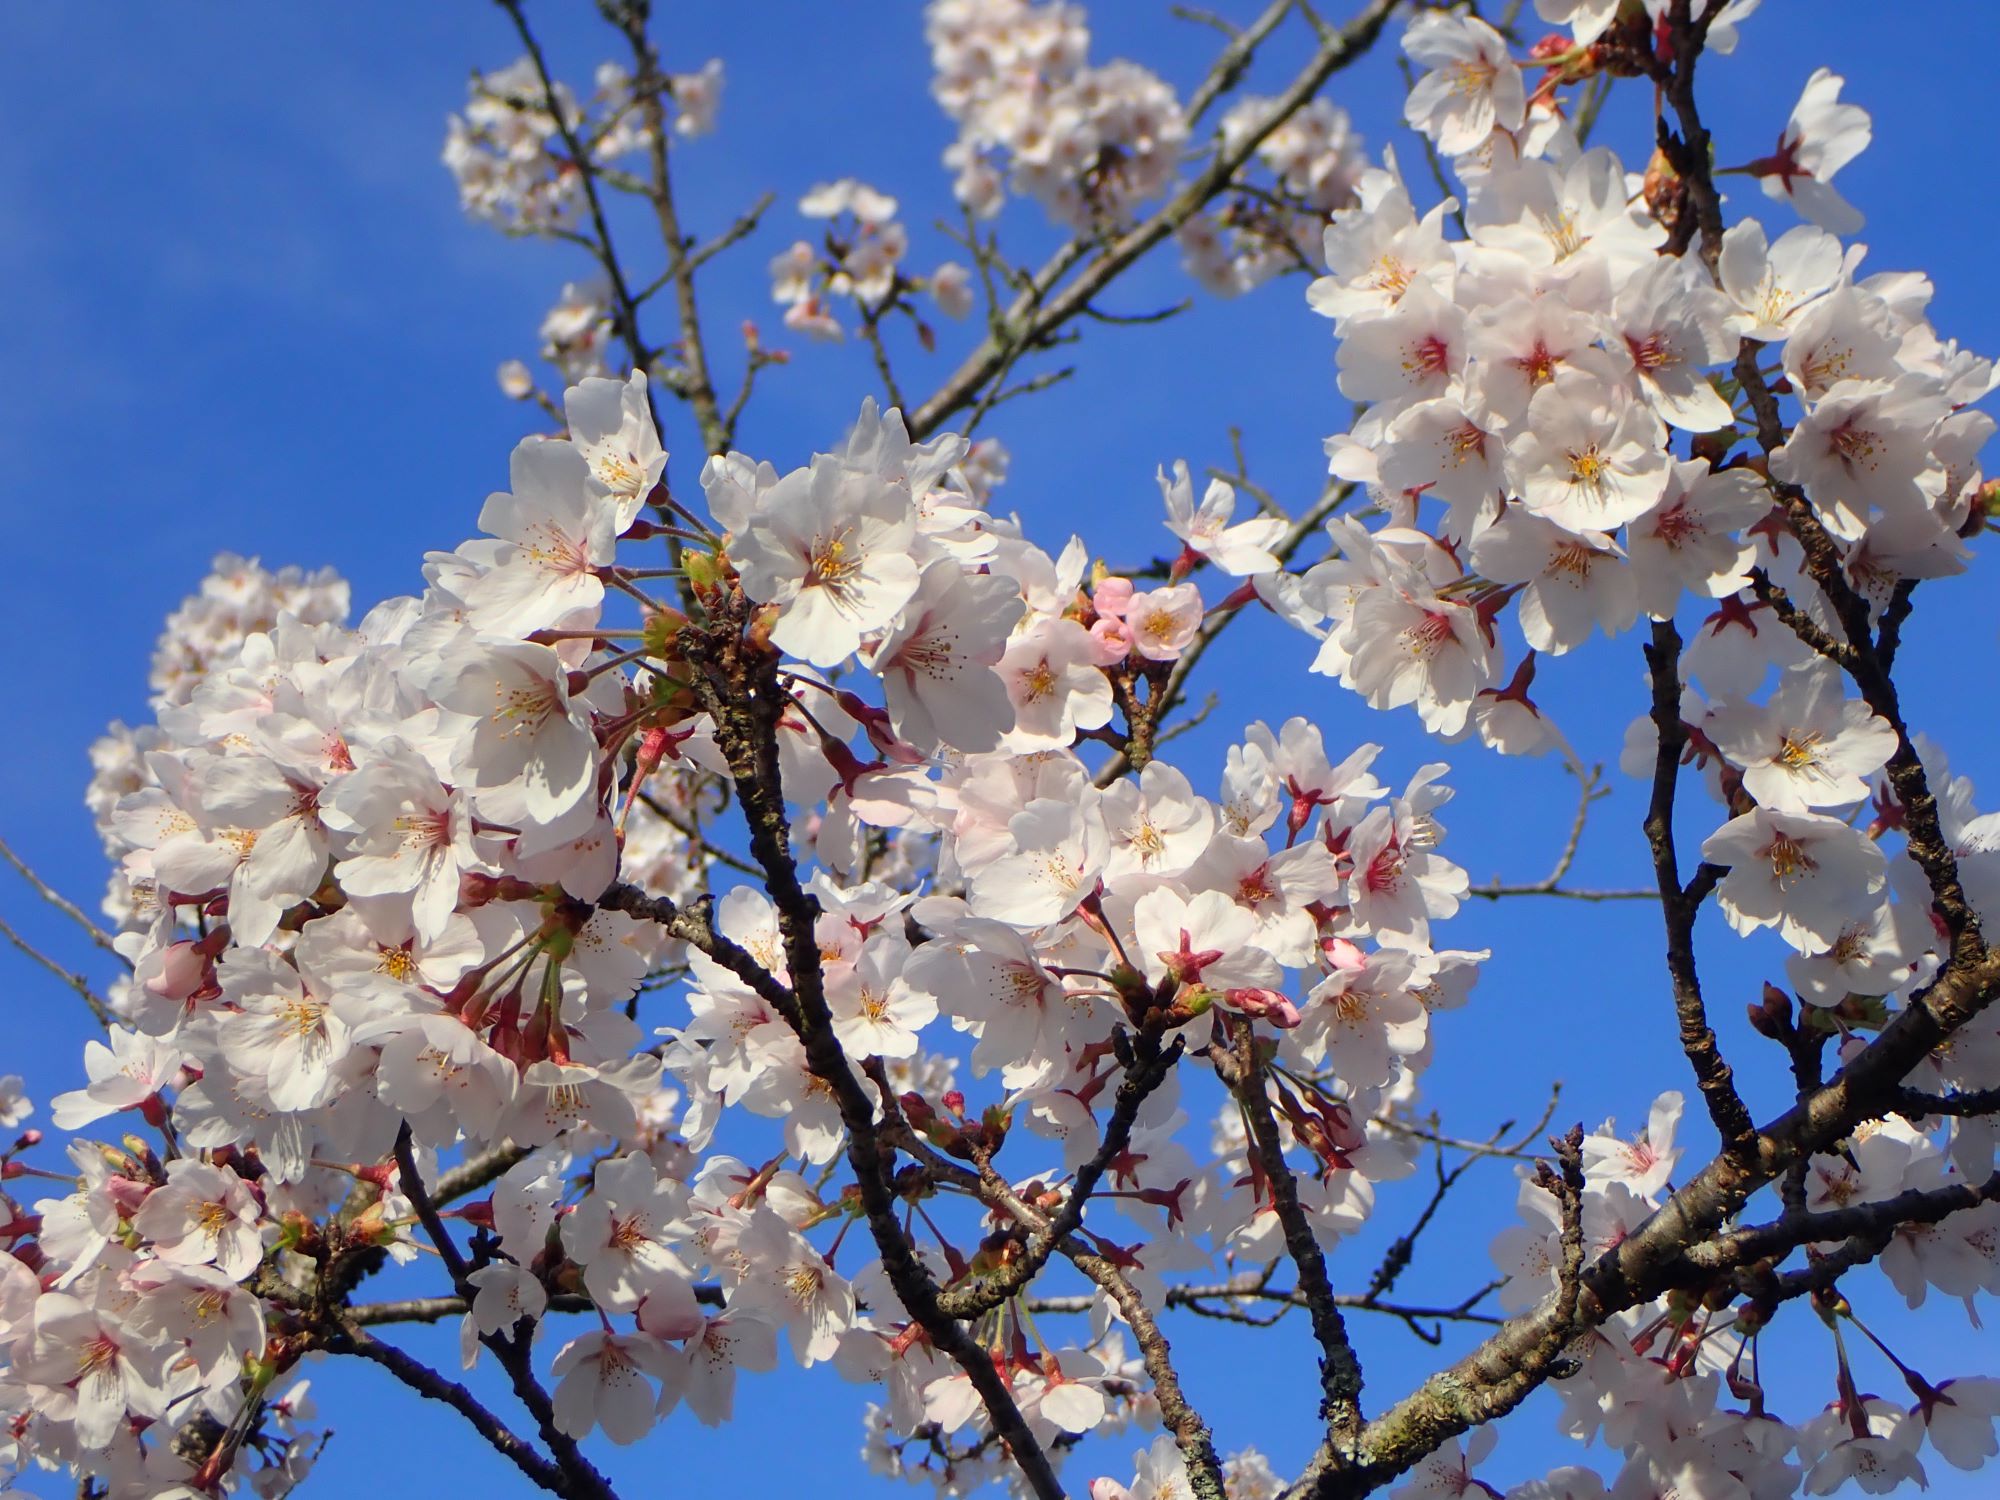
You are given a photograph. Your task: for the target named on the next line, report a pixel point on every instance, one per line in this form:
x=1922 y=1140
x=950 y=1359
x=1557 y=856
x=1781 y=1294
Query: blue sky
x=246 y=314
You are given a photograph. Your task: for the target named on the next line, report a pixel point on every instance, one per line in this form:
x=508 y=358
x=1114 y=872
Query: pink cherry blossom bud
x=1772 y=1015
x=1110 y=642
x=1269 y=1004
x=1111 y=596
x=183 y=971
x=1342 y=954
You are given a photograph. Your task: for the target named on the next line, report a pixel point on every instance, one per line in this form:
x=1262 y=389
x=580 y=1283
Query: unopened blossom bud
x=1111 y=594
x=994 y=1125
x=1269 y=1004
x=704 y=572
x=1664 y=191
x=297 y=1232
x=758 y=636
x=1772 y=1015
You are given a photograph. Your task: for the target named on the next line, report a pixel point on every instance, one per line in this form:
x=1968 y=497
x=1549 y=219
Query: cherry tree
x=743 y=908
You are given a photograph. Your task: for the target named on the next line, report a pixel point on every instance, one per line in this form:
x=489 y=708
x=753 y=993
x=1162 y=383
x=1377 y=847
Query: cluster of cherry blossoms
x=860 y=259
x=435 y=933
x=363 y=885
x=1089 y=142
x=511 y=152
x=1315 y=158
x=1526 y=383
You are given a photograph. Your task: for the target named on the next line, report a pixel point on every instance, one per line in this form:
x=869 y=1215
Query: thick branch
x=1340 y=1370
x=1679 y=905
x=747 y=717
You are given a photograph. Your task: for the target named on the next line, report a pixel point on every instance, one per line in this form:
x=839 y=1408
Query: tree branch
x=1040 y=309
x=1678 y=904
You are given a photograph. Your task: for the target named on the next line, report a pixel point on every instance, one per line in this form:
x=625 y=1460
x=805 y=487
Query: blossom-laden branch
x=580 y=1479
x=426 y=1382
x=411 y=887
x=746 y=711
x=1340 y=1369
x=1048 y=303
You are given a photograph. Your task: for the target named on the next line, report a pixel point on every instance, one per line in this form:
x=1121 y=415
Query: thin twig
x=62 y=903
x=99 y=1008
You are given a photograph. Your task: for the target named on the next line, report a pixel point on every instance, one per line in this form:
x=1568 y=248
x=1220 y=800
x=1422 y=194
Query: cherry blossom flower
x=131 y=1073
x=1572 y=580
x=203 y=1215
x=92 y=1369
x=831 y=548
x=1799 y=872
x=1164 y=622
x=1590 y=458
x=1240 y=549
x=555 y=534
x=1809 y=748
x=936 y=662
x=611 y=425
x=1822 y=136
x=1473 y=86
x=526 y=727
x=1772 y=282
x=603 y=1381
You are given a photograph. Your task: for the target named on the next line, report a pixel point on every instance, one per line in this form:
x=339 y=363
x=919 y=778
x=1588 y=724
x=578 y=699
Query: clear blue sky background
x=245 y=313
